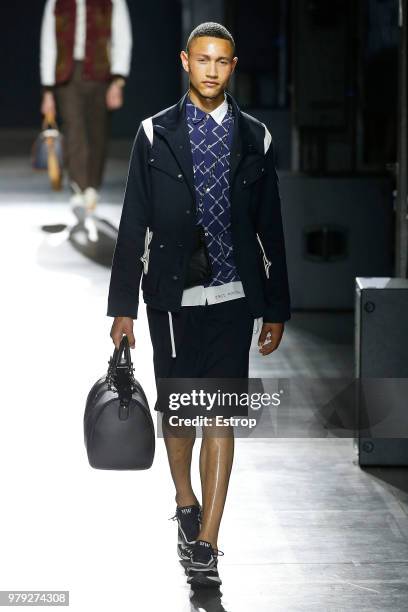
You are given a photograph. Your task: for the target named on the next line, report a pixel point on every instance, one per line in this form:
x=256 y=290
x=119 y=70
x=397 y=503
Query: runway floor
x=304 y=527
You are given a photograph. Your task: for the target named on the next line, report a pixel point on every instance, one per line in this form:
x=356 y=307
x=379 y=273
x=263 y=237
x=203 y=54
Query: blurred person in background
x=85 y=56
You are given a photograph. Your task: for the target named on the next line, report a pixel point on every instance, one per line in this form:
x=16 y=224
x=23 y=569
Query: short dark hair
x=210 y=28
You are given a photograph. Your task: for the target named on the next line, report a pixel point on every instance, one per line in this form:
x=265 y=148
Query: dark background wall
x=365 y=53
x=155 y=80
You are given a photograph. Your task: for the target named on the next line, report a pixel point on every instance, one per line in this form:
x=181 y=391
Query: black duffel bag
x=118 y=427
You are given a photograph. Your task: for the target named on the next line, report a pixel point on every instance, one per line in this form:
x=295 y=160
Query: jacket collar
x=171 y=124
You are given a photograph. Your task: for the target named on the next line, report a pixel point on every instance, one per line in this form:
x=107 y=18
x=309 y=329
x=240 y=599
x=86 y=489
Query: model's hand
x=114 y=96
x=48 y=104
x=122 y=326
x=275 y=330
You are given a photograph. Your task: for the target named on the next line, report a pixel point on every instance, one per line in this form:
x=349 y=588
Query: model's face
x=209 y=63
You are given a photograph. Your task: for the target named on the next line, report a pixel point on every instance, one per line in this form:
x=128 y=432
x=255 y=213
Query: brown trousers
x=85 y=123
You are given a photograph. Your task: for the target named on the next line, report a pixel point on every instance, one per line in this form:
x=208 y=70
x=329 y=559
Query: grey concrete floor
x=304 y=527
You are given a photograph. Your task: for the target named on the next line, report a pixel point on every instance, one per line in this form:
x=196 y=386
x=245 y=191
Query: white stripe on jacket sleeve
x=148 y=128
x=267 y=138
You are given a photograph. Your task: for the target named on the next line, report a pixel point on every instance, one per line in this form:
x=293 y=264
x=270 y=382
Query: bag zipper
x=145 y=257
x=266 y=261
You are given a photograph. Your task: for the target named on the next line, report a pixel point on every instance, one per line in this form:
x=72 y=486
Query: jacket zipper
x=145 y=257
x=266 y=261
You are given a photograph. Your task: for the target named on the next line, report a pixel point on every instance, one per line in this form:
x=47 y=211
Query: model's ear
x=184 y=60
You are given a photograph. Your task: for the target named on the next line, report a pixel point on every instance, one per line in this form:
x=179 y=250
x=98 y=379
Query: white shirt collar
x=218 y=113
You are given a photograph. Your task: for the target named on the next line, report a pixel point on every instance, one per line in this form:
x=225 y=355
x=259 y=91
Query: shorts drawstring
x=173 y=347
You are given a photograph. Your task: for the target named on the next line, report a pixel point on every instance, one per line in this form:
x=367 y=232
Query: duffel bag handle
x=122 y=351
x=120 y=375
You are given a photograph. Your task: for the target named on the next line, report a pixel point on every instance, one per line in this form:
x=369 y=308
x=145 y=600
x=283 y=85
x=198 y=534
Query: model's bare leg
x=179 y=444
x=216 y=458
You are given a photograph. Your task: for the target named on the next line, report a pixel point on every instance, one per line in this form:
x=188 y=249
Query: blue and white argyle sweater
x=214 y=214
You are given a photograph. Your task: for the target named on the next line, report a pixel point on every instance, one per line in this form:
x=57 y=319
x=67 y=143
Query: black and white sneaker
x=189 y=525
x=202 y=568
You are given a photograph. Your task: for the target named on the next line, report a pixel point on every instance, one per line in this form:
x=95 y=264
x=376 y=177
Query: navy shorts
x=211 y=341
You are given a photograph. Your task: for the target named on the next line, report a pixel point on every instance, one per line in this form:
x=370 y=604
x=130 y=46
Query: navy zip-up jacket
x=158 y=218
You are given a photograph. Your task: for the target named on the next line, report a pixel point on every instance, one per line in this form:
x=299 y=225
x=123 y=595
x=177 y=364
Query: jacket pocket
x=145 y=257
x=253 y=173
x=267 y=263
x=167 y=166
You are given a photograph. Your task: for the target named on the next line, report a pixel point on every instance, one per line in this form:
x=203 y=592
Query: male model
x=85 y=56
x=202 y=162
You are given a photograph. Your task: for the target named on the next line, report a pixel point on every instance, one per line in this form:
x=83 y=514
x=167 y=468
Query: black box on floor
x=381 y=367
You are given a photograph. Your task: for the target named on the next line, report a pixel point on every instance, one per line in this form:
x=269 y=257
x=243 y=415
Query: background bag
x=47 y=152
x=199 y=268
x=118 y=427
